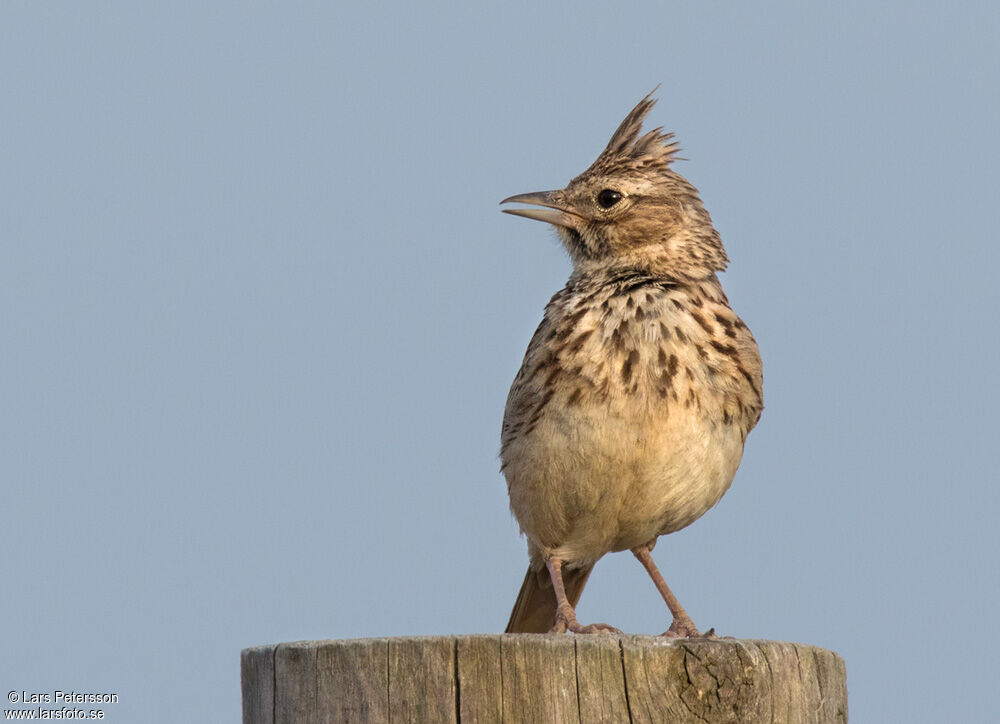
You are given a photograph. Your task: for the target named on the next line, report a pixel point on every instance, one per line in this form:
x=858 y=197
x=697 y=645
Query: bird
x=628 y=417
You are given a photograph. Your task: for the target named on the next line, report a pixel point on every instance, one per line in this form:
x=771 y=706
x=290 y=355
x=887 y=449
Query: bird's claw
x=685 y=629
x=566 y=623
x=597 y=628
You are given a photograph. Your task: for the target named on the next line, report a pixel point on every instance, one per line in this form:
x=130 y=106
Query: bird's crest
x=627 y=151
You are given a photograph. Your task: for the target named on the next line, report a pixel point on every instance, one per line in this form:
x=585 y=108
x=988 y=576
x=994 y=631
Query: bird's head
x=630 y=210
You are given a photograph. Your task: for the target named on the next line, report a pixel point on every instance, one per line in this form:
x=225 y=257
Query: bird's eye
x=608 y=198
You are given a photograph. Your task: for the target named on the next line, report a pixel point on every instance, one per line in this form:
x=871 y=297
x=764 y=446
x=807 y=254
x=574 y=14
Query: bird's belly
x=590 y=480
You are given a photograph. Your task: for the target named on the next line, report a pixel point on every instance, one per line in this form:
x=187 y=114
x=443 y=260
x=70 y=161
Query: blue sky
x=261 y=312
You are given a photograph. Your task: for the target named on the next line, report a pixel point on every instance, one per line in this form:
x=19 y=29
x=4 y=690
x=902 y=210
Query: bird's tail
x=535 y=608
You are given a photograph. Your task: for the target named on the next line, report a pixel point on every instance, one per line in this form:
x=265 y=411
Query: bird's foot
x=566 y=621
x=683 y=628
x=596 y=628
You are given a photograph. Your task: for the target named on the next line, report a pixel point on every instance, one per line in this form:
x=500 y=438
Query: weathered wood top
x=542 y=678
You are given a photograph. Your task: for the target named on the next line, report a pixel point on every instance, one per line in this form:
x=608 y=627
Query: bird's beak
x=557 y=211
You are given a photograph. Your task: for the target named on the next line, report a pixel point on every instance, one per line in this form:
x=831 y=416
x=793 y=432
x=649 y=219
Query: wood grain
x=543 y=678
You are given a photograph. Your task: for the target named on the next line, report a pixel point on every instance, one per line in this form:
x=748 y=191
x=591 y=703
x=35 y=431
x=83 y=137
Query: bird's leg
x=565 y=615
x=682 y=626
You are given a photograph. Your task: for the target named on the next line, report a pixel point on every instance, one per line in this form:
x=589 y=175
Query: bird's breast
x=628 y=417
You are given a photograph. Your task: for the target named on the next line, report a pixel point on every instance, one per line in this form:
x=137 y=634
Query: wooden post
x=543 y=678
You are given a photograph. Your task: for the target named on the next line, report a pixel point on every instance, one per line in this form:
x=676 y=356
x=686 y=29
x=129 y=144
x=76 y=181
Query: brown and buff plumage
x=628 y=416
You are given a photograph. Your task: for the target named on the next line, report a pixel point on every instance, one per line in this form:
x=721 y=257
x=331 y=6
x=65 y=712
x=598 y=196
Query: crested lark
x=628 y=416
